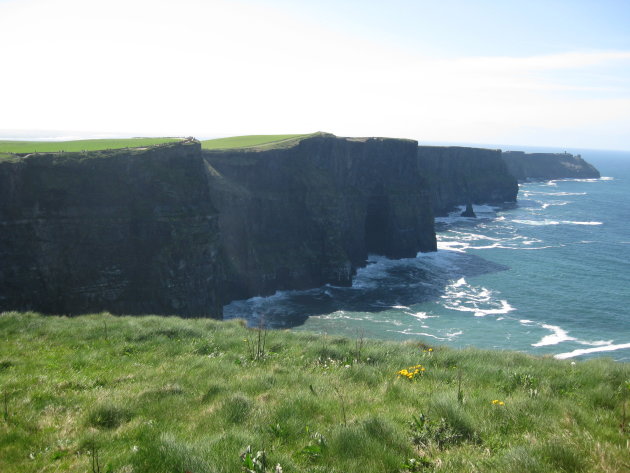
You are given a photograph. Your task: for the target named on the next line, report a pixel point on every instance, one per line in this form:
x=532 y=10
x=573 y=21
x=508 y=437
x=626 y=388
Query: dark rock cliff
x=460 y=175
x=308 y=215
x=548 y=166
x=174 y=230
x=129 y=231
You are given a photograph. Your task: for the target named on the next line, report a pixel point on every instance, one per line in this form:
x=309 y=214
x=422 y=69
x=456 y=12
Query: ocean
x=549 y=275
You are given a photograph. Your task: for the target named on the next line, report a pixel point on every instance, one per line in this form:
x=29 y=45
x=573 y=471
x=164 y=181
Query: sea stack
x=469 y=212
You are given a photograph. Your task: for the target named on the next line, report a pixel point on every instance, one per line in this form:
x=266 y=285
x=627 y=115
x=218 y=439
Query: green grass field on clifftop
x=100 y=393
x=251 y=141
x=7 y=147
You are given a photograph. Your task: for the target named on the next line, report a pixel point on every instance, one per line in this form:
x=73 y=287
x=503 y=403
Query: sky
x=539 y=73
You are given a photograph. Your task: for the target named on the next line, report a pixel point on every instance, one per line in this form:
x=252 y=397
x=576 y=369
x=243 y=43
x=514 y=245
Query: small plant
x=315 y=448
x=256 y=463
x=525 y=381
x=413 y=465
x=426 y=432
x=277 y=430
x=256 y=347
x=496 y=402
x=108 y=416
x=460 y=393
x=5 y=412
x=343 y=406
x=412 y=372
x=358 y=345
x=92 y=447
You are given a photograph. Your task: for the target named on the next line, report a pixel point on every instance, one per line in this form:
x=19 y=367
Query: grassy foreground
x=7 y=147
x=147 y=394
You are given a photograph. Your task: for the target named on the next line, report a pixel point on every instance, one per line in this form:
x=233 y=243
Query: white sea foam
x=452 y=246
x=585 y=351
x=554 y=222
x=530 y=193
x=463 y=297
x=400 y=307
x=558 y=336
x=460 y=282
x=554 y=204
x=570 y=179
x=421 y=315
x=408 y=331
x=569 y=222
x=341 y=315
x=598 y=343
x=604 y=178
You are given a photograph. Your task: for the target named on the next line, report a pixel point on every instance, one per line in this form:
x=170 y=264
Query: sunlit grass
x=251 y=141
x=151 y=394
x=79 y=145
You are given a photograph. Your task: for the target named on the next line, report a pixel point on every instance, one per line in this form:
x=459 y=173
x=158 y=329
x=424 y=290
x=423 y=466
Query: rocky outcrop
x=129 y=231
x=460 y=175
x=308 y=215
x=548 y=166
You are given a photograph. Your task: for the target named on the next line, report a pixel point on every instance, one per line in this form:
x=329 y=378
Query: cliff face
x=130 y=231
x=174 y=230
x=459 y=175
x=548 y=166
x=310 y=214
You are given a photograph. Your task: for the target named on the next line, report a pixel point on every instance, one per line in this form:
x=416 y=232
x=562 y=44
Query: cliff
x=460 y=175
x=309 y=214
x=173 y=229
x=548 y=166
x=128 y=231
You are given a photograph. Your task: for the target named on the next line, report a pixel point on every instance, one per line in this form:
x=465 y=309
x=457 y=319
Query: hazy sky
x=549 y=73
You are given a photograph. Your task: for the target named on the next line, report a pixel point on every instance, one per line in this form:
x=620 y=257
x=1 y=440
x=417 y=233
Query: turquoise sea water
x=549 y=275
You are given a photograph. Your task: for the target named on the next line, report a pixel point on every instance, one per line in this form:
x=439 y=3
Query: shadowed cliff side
x=309 y=214
x=459 y=175
x=548 y=166
x=127 y=231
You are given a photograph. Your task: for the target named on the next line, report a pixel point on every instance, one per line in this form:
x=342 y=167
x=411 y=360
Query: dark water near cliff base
x=549 y=275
